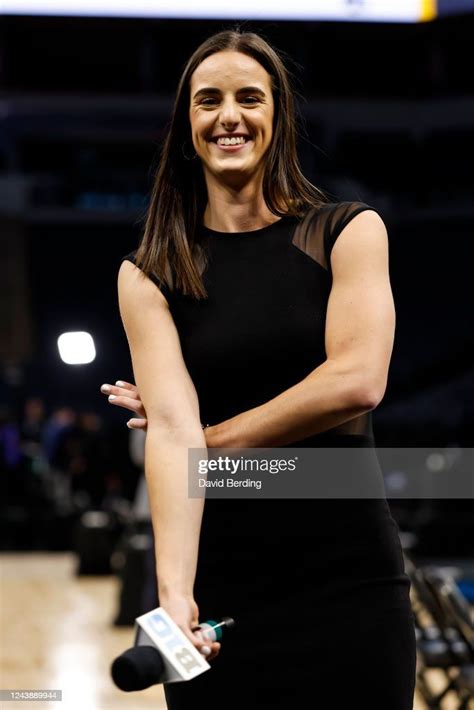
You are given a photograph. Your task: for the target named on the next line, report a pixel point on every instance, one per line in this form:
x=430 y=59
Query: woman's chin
x=231 y=167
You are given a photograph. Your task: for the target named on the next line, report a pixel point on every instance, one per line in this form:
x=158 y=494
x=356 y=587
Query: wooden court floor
x=57 y=633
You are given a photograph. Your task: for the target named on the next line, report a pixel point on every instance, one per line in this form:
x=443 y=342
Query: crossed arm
x=359 y=336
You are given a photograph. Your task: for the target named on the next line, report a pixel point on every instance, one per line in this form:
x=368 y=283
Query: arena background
x=387 y=117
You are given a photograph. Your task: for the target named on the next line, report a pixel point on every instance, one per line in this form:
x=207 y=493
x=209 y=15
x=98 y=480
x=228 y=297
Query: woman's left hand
x=125 y=394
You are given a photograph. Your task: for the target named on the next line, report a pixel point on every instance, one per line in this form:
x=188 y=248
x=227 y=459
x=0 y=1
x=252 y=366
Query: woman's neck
x=236 y=210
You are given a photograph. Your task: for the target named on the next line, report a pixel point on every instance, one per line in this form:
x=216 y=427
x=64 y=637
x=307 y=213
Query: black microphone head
x=229 y=622
x=137 y=668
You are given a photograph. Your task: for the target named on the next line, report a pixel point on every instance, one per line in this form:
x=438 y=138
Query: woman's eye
x=211 y=100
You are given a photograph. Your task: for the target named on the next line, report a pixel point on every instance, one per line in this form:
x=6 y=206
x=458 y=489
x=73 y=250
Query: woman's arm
x=359 y=336
x=172 y=408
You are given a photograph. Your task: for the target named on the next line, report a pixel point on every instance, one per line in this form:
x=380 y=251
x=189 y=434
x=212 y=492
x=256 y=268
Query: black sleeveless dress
x=317 y=587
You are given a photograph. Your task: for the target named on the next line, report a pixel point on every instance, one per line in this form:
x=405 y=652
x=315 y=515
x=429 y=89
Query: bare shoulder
x=364 y=240
x=367 y=225
x=136 y=289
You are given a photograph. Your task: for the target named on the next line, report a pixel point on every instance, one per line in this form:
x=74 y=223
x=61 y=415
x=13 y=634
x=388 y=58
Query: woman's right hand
x=185 y=613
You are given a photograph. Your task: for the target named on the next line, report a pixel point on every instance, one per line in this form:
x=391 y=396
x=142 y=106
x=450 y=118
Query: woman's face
x=231 y=114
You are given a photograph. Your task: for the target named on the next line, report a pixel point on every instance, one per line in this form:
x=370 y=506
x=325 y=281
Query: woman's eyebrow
x=253 y=89
x=206 y=90
x=213 y=90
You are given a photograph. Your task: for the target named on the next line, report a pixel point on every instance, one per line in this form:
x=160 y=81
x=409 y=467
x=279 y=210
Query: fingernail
x=129 y=425
x=111 y=396
x=105 y=388
x=119 y=383
x=205 y=650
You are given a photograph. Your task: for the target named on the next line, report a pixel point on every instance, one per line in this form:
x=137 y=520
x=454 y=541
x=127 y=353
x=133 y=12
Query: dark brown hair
x=169 y=247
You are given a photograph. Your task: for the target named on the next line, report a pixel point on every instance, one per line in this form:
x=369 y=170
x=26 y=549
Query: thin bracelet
x=203 y=426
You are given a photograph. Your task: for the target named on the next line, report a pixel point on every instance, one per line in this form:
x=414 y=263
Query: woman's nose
x=230 y=113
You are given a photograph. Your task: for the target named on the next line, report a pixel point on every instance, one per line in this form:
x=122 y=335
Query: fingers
x=123 y=397
x=215 y=648
x=126 y=385
x=124 y=394
x=137 y=423
x=134 y=405
x=198 y=642
x=122 y=389
x=208 y=649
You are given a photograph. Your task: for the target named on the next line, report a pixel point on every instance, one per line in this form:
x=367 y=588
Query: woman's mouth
x=231 y=145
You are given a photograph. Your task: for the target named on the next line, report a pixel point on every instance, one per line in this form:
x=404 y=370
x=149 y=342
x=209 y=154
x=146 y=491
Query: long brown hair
x=169 y=247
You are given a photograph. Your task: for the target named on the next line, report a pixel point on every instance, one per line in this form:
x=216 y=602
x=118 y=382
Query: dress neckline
x=260 y=230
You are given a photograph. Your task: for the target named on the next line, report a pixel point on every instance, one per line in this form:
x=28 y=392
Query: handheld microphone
x=138 y=668
x=162 y=652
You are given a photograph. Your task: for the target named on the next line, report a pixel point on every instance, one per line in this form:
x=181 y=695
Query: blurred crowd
x=60 y=462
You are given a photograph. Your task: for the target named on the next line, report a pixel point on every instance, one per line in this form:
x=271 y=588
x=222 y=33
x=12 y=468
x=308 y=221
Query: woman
x=273 y=323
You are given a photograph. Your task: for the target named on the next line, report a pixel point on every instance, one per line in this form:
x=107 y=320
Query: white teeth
x=231 y=141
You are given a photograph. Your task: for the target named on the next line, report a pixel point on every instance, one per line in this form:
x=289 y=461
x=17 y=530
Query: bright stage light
x=76 y=348
x=344 y=10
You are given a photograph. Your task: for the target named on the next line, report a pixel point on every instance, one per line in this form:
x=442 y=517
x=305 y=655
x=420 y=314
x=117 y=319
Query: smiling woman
x=256 y=305
x=234 y=83
x=235 y=88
